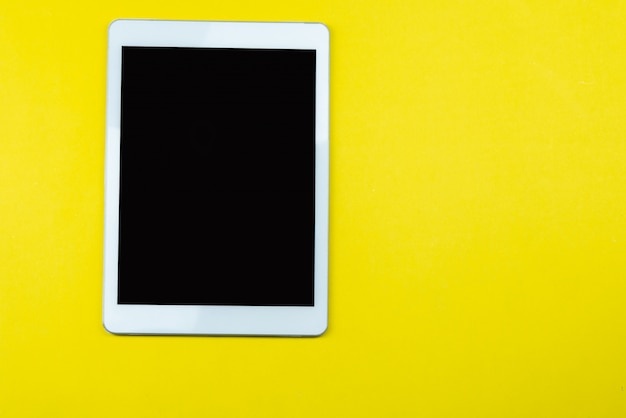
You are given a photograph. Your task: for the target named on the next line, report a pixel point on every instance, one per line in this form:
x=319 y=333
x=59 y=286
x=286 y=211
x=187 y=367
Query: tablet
x=216 y=183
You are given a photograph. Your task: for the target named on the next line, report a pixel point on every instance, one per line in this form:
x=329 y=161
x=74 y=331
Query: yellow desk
x=478 y=220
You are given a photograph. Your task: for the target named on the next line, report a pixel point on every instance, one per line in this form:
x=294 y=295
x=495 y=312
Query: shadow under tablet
x=217 y=183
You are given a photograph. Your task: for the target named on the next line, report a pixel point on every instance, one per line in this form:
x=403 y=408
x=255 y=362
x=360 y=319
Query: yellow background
x=478 y=220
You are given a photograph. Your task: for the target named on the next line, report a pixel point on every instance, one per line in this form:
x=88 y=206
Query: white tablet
x=216 y=195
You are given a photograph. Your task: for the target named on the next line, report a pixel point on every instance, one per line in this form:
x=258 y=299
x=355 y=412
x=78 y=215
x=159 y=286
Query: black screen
x=217 y=177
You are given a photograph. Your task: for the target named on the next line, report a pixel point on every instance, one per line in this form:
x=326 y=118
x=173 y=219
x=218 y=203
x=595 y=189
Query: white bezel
x=202 y=319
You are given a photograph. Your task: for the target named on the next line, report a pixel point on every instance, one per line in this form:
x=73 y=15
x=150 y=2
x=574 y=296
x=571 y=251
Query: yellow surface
x=478 y=220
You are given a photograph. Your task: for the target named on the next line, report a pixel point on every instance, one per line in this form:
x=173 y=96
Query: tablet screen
x=217 y=179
